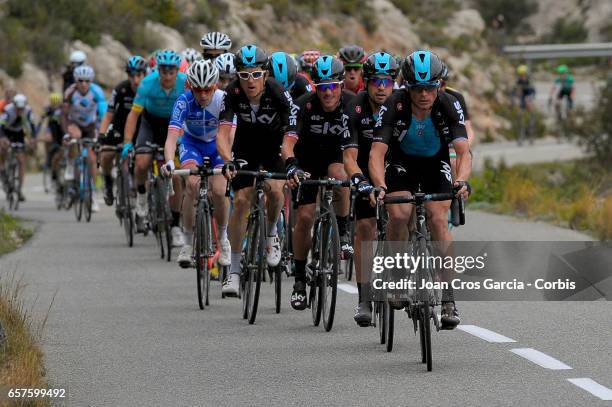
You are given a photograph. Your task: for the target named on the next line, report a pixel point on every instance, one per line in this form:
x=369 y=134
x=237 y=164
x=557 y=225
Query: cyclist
x=353 y=57
x=15 y=124
x=379 y=72
x=214 y=44
x=190 y=55
x=113 y=124
x=283 y=68
x=155 y=97
x=564 y=88
x=415 y=126
x=53 y=135
x=468 y=123
x=525 y=91
x=315 y=148
x=9 y=94
x=196 y=112
x=227 y=70
x=263 y=109
x=305 y=62
x=84 y=107
x=77 y=58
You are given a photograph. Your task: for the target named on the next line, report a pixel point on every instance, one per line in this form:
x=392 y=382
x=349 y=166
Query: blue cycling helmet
x=422 y=68
x=380 y=63
x=136 y=63
x=283 y=68
x=251 y=56
x=168 y=57
x=327 y=68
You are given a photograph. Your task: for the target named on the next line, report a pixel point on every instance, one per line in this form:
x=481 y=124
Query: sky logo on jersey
x=446 y=170
x=327 y=128
x=459 y=110
x=381 y=112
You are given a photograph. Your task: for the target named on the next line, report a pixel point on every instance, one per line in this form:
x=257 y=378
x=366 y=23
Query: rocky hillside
x=451 y=28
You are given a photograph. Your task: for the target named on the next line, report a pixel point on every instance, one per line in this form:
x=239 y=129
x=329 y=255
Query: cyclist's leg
x=243 y=193
x=365 y=231
x=301 y=246
x=399 y=183
x=341 y=204
x=142 y=163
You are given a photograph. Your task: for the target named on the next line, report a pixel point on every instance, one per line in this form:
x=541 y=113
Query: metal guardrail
x=551 y=51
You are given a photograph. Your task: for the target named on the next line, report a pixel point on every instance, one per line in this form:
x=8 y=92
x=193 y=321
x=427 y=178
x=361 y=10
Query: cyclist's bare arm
x=377 y=163
x=106 y=120
x=289 y=142
x=170 y=146
x=464 y=159
x=130 y=125
x=349 y=157
x=225 y=135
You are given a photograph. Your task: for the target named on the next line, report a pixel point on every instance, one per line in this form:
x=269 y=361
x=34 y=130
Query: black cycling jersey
x=120 y=105
x=360 y=129
x=259 y=128
x=54 y=124
x=68 y=77
x=461 y=99
x=300 y=87
x=395 y=117
x=320 y=136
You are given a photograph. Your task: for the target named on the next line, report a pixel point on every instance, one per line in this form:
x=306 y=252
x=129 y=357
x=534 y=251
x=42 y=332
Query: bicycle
x=204 y=250
x=423 y=300
x=322 y=271
x=12 y=181
x=159 y=216
x=85 y=184
x=253 y=259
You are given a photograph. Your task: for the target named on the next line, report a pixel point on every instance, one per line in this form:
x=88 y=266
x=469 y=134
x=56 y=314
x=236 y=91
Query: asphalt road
x=125 y=330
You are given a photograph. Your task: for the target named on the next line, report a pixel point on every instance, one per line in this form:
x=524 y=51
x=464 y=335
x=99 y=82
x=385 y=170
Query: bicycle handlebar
x=205 y=172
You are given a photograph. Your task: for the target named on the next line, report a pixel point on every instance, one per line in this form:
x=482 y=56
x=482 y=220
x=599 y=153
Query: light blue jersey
x=157 y=101
x=422 y=138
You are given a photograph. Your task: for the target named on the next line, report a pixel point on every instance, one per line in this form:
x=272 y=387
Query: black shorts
x=316 y=162
x=152 y=130
x=256 y=161
x=564 y=93
x=431 y=174
x=15 y=136
x=112 y=138
x=363 y=209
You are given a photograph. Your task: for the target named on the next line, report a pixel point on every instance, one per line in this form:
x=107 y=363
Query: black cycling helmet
x=380 y=63
x=327 y=68
x=283 y=68
x=352 y=54
x=251 y=56
x=444 y=75
x=422 y=68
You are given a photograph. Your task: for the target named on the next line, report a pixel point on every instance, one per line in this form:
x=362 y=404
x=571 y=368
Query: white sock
x=223 y=229
x=272 y=230
x=235 y=267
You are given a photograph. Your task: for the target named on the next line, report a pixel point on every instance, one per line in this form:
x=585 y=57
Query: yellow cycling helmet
x=55 y=99
x=522 y=70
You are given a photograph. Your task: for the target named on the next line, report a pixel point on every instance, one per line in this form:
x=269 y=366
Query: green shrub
x=566 y=32
x=514 y=11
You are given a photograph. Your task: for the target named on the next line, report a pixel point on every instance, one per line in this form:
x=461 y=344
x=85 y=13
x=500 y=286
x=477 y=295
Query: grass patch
x=575 y=194
x=21 y=358
x=12 y=234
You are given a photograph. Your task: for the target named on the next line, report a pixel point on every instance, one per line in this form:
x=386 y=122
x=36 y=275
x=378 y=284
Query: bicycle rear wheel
x=330 y=262
x=14 y=185
x=202 y=248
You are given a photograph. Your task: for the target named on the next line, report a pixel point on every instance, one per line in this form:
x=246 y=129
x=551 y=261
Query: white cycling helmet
x=202 y=74
x=77 y=57
x=225 y=65
x=85 y=72
x=216 y=40
x=20 y=100
x=191 y=55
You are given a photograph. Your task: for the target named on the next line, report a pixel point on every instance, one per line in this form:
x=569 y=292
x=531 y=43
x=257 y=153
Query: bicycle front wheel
x=78 y=203
x=330 y=265
x=88 y=194
x=125 y=204
x=202 y=249
x=255 y=263
x=425 y=334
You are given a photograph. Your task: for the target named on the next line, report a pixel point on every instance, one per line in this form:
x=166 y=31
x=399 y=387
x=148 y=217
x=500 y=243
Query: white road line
x=540 y=358
x=351 y=289
x=485 y=334
x=592 y=387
